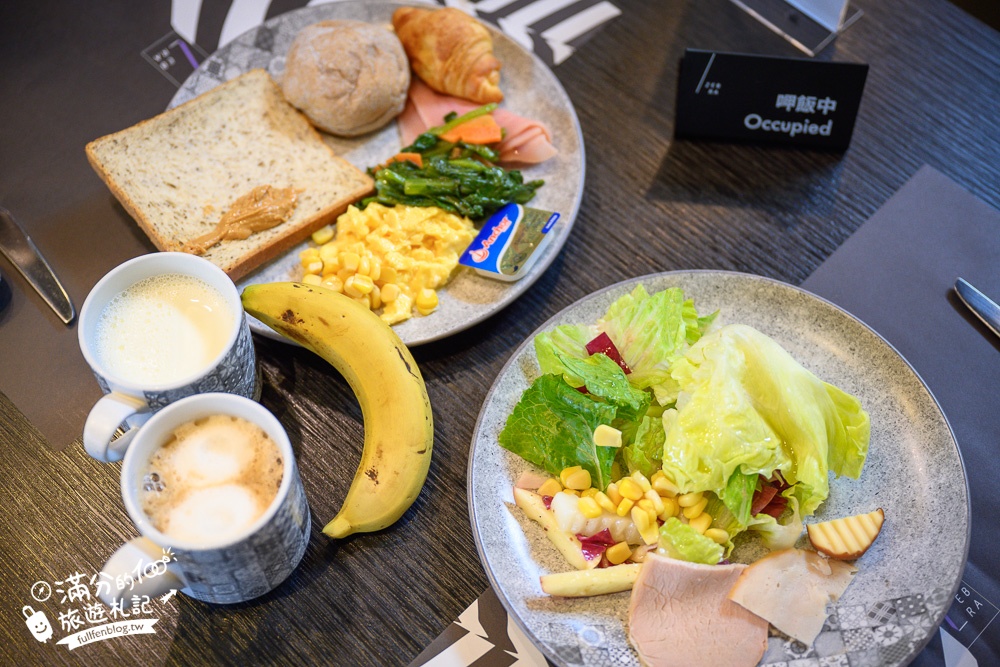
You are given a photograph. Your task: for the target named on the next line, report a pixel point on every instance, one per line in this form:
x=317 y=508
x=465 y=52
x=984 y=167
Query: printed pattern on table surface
x=887 y=632
x=552 y=29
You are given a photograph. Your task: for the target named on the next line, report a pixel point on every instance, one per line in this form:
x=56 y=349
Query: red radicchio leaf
x=595 y=545
x=762 y=497
x=604 y=345
x=776 y=507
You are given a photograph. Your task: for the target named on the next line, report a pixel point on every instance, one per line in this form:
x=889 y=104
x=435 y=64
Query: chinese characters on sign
x=805 y=104
x=84 y=617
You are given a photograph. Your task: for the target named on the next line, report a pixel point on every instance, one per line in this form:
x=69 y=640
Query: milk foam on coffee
x=163 y=329
x=211 y=480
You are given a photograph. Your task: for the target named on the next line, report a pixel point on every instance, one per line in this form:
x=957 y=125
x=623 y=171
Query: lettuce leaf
x=606 y=380
x=553 y=426
x=748 y=406
x=776 y=535
x=681 y=541
x=645 y=450
x=650 y=332
x=567 y=340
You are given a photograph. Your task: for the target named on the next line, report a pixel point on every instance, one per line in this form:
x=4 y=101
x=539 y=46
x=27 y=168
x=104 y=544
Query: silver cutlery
x=981 y=305
x=17 y=246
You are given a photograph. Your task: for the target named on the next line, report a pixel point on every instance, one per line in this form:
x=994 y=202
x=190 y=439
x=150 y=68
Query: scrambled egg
x=391 y=259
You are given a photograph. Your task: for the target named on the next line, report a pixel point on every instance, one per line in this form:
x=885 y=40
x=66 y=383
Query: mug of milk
x=156 y=329
x=211 y=483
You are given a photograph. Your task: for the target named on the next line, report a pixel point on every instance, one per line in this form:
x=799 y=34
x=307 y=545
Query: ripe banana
x=399 y=426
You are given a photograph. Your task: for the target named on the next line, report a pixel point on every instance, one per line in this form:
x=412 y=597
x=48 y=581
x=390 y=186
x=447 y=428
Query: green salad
x=721 y=410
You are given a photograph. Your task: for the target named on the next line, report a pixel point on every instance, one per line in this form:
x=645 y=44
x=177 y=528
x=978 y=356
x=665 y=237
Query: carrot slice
x=479 y=130
x=415 y=158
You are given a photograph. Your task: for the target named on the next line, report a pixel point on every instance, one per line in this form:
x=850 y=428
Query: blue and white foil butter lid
x=509 y=242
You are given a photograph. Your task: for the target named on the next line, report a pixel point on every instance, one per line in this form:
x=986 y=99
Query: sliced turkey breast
x=791 y=588
x=680 y=616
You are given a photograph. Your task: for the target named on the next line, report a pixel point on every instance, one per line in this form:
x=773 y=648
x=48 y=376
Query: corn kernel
x=630 y=489
x=314 y=266
x=646 y=504
x=550 y=487
x=613 y=493
x=624 y=507
x=579 y=479
x=376 y=297
x=689 y=499
x=696 y=510
x=572 y=492
x=389 y=292
x=323 y=235
x=605 y=502
x=365 y=266
x=701 y=523
x=308 y=255
x=331 y=258
x=426 y=301
x=654 y=498
x=717 y=535
x=388 y=274
x=663 y=486
x=312 y=279
x=364 y=301
x=640 y=518
x=589 y=492
x=589 y=508
x=375 y=270
x=641 y=481
x=568 y=471
x=358 y=285
x=350 y=261
x=618 y=553
x=670 y=508
x=607 y=436
x=334 y=283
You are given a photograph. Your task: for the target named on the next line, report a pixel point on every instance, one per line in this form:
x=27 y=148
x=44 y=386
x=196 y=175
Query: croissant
x=450 y=51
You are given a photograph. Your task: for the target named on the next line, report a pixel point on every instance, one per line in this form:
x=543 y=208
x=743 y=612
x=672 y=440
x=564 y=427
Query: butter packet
x=509 y=242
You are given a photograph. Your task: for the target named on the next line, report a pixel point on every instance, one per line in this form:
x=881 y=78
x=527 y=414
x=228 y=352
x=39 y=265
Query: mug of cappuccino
x=154 y=330
x=211 y=484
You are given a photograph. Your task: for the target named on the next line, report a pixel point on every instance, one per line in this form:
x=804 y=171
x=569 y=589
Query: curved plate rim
x=555 y=246
x=622 y=285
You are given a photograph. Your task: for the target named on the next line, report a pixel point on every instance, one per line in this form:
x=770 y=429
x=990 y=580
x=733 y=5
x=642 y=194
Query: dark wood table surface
x=72 y=72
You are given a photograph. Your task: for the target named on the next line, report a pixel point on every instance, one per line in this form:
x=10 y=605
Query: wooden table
x=73 y=71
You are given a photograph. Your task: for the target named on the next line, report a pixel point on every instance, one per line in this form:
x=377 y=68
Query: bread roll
x=348 y=77
x=450 y=51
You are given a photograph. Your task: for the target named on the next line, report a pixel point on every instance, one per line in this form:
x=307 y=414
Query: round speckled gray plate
x=914 y=472
x=530 y=89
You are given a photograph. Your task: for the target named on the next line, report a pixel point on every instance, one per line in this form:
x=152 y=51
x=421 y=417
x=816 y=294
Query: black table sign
x=761 y=99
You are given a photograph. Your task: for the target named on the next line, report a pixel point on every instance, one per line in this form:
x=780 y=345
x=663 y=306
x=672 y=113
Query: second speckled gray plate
x=530 y=89
x=914 y=472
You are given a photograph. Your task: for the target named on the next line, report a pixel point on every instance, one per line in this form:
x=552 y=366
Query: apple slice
x=846 y=538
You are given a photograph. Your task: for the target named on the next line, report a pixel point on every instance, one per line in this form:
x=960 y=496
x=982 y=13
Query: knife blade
x=17 y=246
x=981 y=305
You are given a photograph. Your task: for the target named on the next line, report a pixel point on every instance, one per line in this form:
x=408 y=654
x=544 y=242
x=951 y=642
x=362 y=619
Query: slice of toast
x=179 y=172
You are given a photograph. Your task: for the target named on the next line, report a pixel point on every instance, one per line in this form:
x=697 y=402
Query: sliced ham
x=680 y=616
x=526 y=141
x=791 y=589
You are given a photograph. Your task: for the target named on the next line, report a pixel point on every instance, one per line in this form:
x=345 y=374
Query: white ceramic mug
x=129 y=403
x=249 y=564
